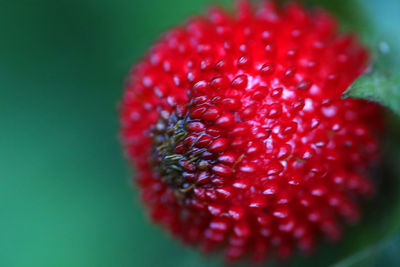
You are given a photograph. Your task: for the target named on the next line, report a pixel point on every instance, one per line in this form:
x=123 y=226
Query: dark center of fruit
x=170 y=160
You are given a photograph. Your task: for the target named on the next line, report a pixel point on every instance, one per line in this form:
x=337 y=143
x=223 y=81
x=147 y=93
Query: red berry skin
x=241 y=140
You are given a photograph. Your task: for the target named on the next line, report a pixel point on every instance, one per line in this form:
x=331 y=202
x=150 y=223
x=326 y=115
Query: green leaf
x=383 y=254
x=381 y=83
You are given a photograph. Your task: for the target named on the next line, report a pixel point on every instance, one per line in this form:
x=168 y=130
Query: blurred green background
x=66 y=197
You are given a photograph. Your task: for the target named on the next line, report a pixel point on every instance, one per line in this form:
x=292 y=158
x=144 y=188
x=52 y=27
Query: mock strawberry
x=239 y=134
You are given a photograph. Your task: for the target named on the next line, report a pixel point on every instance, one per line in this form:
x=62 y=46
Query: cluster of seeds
x=240 y=135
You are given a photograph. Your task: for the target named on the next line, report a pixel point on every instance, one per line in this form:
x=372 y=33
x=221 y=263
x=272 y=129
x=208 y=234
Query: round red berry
x=240 y=136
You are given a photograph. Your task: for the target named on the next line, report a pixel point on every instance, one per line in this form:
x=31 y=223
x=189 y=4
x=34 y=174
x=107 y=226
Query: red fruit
x=239 y=133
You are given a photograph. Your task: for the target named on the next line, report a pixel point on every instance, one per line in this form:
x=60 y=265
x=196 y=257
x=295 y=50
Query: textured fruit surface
x=240 y=137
